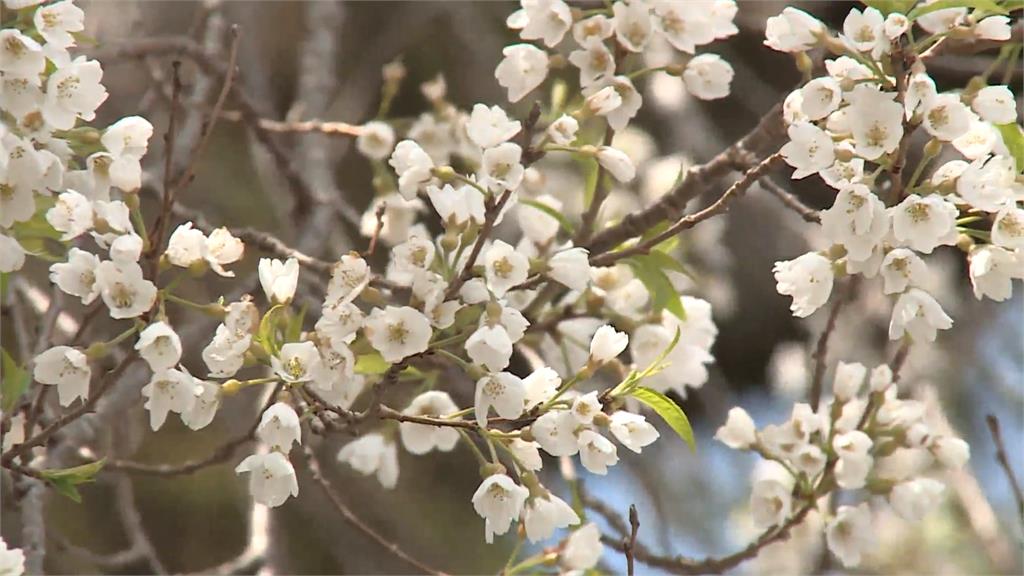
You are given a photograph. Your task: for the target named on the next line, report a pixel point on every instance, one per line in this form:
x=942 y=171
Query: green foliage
x=15 y=381
x=66 y=480
x=294 y=330
x=633 y=379
x=1013 y=137
x=372 y=363
x=650 y=269
x=669 y=411
x=266 y=336
x=988 y=6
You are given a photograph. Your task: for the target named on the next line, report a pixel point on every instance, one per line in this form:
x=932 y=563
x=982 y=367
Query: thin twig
x=629 y=544
x=315 y=470
x=821 y=350
x=1004 y=461
x=789 y=200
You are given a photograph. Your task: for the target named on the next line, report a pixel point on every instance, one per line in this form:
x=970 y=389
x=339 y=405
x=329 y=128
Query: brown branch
x=629 y=544
x=156 y=235
x=601 y=190
x=821 y=350
x=1004 y=462
x=719 y=206
x=315 y=470
x=789 y=200
x=109 y=379
x=300 y=127
x=696 y=180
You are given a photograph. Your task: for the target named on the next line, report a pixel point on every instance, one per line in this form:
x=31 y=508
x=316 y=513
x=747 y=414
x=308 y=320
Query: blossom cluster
x=852 y=128
x=865 y=441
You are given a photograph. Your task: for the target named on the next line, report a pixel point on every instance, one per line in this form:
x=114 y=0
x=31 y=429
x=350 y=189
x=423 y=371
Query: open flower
x=809 y=150
x=857 y=220
x=279 y=427
x=917 y=313
x=490 y=347
x=993 y=270
x=738 y=432
x=397 y=332
x=583 y=549
x=555 y=431
x=504 y=391
x=504 y=267
x=708 y=77
x=77 y=276
x=422 y=438
x=271 y=478
x=279 y=279
x=545 y=514
x=607 y=344
x=571 y=268
x=73 y=91
x=523 y=69
x=792 y=31
x=499 y=501
x=850 y=534
x=924 y=223
x=372 y=454
x=597 y=453
x=64 y=367
x=632 y=430
x=546 y=20
x=123 y=288
x=501 y=169
x=413 y=167
x=808 y=279
x=770 y=503
x=159 y=346
x=170 y=390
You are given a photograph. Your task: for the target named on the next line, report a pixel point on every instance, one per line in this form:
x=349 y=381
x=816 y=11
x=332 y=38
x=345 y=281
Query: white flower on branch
x=1008 y=229
x=864 y=31
x=632 y=430
x=127 y=141
x=992 y=270
x=501 y=169
x=708 y=77
x=546 y=20
x=617 y=163
x=372 y=454
x=995 y=104
x=502 y=390
x=66 y=368
x=489 y=127
x=876 y=121
x=793 y=31
x=914 y=499
x=595 y=62
x=571 y=268
x=271 y=478
x=279 y=427
x=490 y=347
x=902 y=268
x=540 y=386
x=563 y=131
x=597 y=453
x=279 y=279
x=20 y=55
x=413 y=167
x=422 y=438
x=583 y=549
x=808 y=279
x=924 y=223
x=172 y=390
x=607 y=344
x=499 y=501
x=850 y=534
x=545 y=514
x=524 y=68
x=160 y=346
x=12 y=255
x=770 y=503
x=809 y=150
x=990 y=183
x=124 y=289
x=504 y=267
x=207 y=402
x=72 y=215
x=397 y=332
x=77 y=276
x=633 y=24
x=945 y=117
x=12 y=560
x=555 y=432
x=376 y=140
x=857 y=220
x=848 y=380
x=820 y=97
x=73 y=91
x=738 y=432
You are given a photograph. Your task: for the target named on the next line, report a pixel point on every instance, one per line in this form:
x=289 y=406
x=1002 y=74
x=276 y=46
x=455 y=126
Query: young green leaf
x=65 y=481
x=663 y=294
x=15 y=382
x=1013 y=137
x=266 y=335
x=371 y=363
x=669 y=411
x=887 y=7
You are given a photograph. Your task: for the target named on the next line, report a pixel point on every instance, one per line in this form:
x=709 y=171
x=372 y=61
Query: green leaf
x=15 y=381
x=887 y=7
x=666 y=262
x=988 y=6
x=372 y=363
x=664 y=296
x=1013 y=138
x=633 y=379
x=1013 y=5
x=266 y=336
x=562 y=220
x=669 y=411
x=295 y=325
x=66 y=480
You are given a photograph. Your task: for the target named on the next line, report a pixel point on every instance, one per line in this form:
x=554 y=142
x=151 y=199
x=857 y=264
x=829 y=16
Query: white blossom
x=12 y=255
x=422 y=438
x=502 y=390
x=397 y=332
x=848 y=380
x=545 y=514
x=850 y=534
x=571 y=268
x=924 y=223
x=73 y=91
x=685 y=26
x=546 y=20
x=127 y=141
x=820 y=97
x=279 y=279
x=279 y=427
x=160 y=346
x=809 y=150
x=271 y=478
x=708 y=77
x=583 y=549
x=900 y=269
x=792 y=31
x=913 y=499
x=738 y=432
x=632 y=430
x=617 y=163
x=990 y=183
x=489 y=127
x=490 y=347
x=523 y=69
x=372 y=454
x=857 y=220
x=993 y=28
x=413 y=167
x=918 y=314
x=499 y=501
x=563 y=131
x=865 y=31
x=20 y=55
x=72 y=215
x=945 y=117
x=597 y=453
x=1008 y=229
x=953 y=453
x=540 y=386
x=555 y=432
x=607 y=344
x=995 y=104
x=207 y=400
x=124 y=290
x=594 y=61
x=504 y=267
x=808 y=279
x=66 y=368
x=376 y=140
x=501 y=169
x=633 y=24
x=876 y=121
x=770 y=503
x=171 y=390
x=992 y=271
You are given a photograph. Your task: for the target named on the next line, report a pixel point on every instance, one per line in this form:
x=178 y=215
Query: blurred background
x=300 y=61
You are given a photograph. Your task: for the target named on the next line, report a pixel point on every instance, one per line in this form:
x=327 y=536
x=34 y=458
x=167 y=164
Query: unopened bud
x=964 y=243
